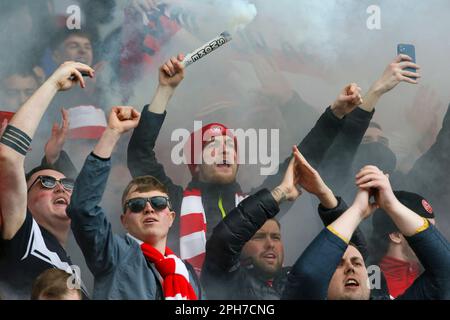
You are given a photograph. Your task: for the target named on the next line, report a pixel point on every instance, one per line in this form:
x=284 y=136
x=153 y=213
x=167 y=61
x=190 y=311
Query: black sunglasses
x=49 y=182
x=137 y=205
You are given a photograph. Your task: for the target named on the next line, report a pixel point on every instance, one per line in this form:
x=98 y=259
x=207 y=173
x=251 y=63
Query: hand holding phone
x=409 y=50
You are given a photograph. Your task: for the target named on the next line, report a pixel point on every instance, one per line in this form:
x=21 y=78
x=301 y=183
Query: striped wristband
x=16 y=139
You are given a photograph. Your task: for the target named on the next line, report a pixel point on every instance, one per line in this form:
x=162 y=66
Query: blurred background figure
x=53 y=284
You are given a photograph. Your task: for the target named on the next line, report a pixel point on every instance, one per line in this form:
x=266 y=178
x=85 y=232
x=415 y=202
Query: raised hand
x=70 y=73
x=395 y=73
x=171 y=73
x=373 y=179
x=362 y=203
x=308 y=177
x=55 y=144
x=347 y=101
x=310 y=180
x=122 y=119
x=287 y=190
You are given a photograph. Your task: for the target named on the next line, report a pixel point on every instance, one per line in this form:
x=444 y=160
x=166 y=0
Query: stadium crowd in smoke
x=93 y=204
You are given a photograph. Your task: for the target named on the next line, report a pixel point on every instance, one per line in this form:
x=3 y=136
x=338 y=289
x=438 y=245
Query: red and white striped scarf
x=176 y=285
x=193 y=228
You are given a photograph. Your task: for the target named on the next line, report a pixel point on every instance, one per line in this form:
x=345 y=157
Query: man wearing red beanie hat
x=213 y=190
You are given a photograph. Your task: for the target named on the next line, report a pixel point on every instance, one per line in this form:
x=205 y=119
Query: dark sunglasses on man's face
x=137 y=205
x=50 y=182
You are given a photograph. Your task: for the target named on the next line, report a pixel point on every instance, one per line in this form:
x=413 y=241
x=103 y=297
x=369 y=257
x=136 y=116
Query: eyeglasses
x=49 y=182
x=136 y=205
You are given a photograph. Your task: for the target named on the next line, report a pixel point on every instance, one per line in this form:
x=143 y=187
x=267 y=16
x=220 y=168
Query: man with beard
x=331 y=268
x=213 y=190
x=35 y=225
x=245 y=254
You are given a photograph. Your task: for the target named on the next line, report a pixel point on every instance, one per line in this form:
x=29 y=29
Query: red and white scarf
x=193 y=228
x=176 y=285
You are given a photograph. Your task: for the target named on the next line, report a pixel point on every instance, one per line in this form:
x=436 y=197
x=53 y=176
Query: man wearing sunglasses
x=138 y=265
x=35 y=225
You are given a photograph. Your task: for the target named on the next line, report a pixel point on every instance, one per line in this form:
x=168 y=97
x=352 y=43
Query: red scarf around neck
x=399 y=274
x=172 y=269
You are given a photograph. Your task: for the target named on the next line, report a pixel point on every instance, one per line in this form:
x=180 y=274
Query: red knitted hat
x=193 y=156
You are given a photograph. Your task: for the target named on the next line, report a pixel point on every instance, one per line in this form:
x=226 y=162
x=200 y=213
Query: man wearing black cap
x=391 y=251
x=35 y=225
x=332 y=268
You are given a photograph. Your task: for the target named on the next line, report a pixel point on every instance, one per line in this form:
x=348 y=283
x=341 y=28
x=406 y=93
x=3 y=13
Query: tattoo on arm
x=279 y=195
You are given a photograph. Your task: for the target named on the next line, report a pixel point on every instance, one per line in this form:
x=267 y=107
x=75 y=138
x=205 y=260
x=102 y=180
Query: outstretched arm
x=432 y=249
x=55 y=156
x=320 y=138
x=90 y=226
x=393 y=74
x=330 y=207
x=312 y=272
x=141 y=155
x=170 y=76
x=338 y=160
x=17 y=139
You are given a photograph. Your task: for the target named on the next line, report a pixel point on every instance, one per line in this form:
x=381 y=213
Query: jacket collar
x=139 y=242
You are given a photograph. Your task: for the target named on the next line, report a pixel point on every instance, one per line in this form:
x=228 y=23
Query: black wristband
x=16 y=139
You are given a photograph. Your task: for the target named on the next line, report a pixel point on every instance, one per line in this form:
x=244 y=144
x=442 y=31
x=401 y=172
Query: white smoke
x=225 y=15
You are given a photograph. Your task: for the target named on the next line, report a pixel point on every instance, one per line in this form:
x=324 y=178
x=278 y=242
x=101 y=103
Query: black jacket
x=429 y=175
x=328 y=216
x=311 y=274
x=222 y=275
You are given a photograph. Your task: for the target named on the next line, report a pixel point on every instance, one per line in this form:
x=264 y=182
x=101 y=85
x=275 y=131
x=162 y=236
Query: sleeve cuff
x=99 y=158
x=331 y=115
x=337 y=234
x=363 y=115
x=425 y=226
x=325 y=210
x=158 y=116
x=261 y=200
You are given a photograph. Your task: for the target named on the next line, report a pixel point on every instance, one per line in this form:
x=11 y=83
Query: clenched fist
x=121 y=119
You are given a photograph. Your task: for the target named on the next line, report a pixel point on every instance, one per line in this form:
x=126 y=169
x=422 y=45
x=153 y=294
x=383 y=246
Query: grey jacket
x=119 y=267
